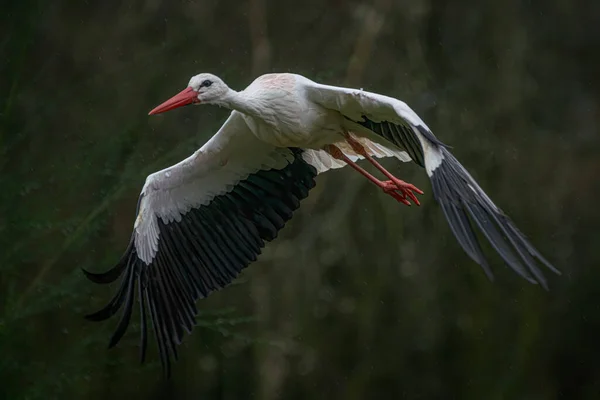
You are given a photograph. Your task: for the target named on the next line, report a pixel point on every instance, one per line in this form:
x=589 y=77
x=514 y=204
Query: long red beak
x=183 y=98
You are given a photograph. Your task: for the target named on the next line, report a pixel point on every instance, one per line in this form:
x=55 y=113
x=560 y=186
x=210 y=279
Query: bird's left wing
x=464 y=203
x=387 y=121
x=198 y=224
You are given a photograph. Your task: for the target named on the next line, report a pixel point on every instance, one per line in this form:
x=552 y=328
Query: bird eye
x=206 y=83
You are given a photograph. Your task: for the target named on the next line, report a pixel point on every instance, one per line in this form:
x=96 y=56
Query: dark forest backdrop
x=360 y=297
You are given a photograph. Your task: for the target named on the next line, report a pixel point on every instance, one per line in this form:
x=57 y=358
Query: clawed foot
x=402 y=191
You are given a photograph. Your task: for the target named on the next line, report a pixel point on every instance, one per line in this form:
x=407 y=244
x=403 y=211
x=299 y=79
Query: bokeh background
x=360 y=297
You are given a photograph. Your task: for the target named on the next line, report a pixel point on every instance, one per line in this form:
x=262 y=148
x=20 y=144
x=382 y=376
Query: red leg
x=406 y=188
x=389 y=187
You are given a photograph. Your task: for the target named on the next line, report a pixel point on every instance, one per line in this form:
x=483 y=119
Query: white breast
x=286 y=118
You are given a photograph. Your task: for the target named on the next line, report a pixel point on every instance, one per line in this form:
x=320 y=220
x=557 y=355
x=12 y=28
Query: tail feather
x=460 y=197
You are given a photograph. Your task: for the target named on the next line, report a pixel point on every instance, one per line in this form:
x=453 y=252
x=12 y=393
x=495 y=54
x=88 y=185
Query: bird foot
x=401 y=191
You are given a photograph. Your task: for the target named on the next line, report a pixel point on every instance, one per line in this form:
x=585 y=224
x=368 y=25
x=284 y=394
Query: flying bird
x=201 y=221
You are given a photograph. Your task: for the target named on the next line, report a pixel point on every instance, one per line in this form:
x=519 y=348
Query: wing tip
x=455 y=190
x=98 y=277
x=97 y=316
x=115 y=272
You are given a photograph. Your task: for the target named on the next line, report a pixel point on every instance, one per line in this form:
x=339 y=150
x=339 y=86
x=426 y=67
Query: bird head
x=202 y=89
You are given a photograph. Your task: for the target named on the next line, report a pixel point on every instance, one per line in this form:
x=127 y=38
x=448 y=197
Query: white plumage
x=229 y=157
x=203 y=220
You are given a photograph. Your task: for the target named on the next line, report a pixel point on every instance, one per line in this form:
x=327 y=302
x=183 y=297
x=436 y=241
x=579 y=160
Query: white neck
x=238 y=101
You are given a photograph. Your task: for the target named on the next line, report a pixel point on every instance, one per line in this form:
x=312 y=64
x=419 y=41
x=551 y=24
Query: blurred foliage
x=359 y=297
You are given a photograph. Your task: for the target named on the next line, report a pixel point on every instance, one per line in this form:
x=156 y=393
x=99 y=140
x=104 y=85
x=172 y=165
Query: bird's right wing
x=198 y=224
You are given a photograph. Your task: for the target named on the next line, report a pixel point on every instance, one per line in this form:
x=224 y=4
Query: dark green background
x=360 y=297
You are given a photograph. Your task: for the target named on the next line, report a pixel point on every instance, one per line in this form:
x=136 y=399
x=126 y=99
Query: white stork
x=201 y=221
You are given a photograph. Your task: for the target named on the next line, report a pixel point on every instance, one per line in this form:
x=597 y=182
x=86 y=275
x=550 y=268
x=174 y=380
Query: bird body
x=201 y=221
x=278 y=112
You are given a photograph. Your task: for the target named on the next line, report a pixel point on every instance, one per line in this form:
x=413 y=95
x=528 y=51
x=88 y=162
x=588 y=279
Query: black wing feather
x=403 y=136
x=460 y=198
x=143 y=316
x=458 y=193
x=203 y=252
